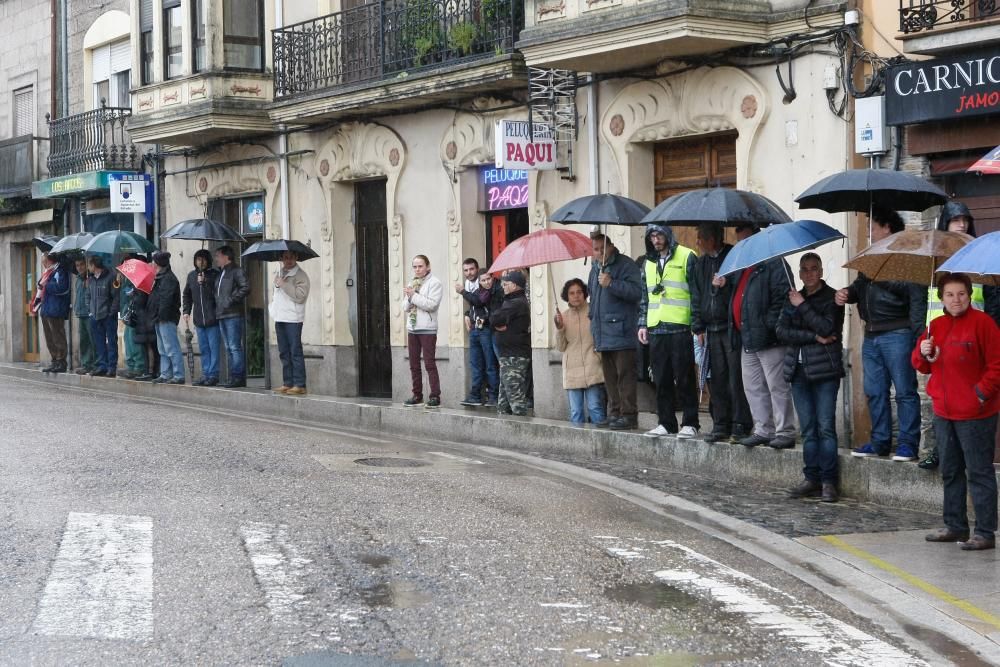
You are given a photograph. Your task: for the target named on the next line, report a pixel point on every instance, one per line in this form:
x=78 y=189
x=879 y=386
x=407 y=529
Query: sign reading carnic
x=943 y=89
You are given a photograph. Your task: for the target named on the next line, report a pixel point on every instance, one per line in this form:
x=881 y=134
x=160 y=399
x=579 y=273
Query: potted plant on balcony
x=462 y=37
x=421 y=32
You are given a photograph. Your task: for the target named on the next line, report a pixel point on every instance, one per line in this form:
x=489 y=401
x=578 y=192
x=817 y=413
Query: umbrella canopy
x=139 y=273
x=45 y=242
x=189 y=347
x=861 y=189
x=119 y=243
x=542 y=247
x=988 y=164
x=71 y=243
x=778 y=241
x=979 y=258
x=271 y=251
x=202 y=229
x=910 y=255
x=725 y=206
x=601 y=210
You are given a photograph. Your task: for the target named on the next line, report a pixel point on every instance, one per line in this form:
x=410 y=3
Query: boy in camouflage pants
x=512 y=324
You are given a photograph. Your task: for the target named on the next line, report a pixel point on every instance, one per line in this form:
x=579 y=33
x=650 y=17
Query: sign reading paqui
x=517 y=149
x=502 y=189
x=943 y=89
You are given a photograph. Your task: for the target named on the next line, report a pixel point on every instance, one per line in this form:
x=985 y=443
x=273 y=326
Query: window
x=112 y=74
x=173 y=22
x=198 y=35
x=146 y=41
x=243 y=34
x=24 y=111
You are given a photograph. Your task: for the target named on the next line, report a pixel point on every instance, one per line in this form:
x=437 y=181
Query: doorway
x=504 y=227
x=372 y=260
x=29 y=279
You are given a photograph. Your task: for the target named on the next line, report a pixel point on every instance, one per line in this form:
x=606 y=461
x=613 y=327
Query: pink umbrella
x=542 y=247
x=988 y=164
x=139 y=274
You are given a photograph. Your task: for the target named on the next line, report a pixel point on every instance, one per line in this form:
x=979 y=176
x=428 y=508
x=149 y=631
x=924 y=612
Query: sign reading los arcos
x=516 y=148
x=943 y=89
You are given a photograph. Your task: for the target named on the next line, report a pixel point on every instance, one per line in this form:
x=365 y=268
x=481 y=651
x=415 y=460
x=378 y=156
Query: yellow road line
x=928 y=588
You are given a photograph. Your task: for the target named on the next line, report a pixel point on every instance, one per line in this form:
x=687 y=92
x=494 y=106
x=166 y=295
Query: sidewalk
x=879 y=481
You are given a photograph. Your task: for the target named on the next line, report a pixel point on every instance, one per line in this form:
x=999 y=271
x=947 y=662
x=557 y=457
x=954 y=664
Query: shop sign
x=943 y=89
x=502 y=189
x=74 y=184
x=128 y=192
x=516 y=148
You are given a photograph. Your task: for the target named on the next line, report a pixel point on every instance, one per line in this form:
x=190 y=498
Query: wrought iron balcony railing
x=17 y=166
x=918 y=15
x=91 y=141
x=385 y=38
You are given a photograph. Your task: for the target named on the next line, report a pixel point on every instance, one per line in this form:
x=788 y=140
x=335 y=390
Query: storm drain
x=388 y=462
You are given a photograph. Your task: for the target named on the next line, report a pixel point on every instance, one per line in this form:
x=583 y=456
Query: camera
x=659 y=289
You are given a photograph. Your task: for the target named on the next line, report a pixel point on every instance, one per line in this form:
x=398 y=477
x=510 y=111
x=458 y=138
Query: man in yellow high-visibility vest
x=665 y=324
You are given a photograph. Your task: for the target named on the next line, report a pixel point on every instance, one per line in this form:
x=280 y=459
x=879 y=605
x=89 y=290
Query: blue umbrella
x=778 y=241
x=980 y=258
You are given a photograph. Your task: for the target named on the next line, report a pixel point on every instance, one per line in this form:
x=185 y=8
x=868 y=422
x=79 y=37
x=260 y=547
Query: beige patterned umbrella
x=910 y=255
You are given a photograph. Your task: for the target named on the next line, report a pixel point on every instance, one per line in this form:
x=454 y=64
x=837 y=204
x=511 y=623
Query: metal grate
x=552 y=107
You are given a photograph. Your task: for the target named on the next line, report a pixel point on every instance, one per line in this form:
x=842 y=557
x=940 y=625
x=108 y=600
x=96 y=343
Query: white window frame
x=107 y=61
x=16 y=103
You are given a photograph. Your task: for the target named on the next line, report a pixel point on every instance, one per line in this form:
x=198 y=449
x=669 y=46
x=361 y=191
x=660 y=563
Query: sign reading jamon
x=516 y=148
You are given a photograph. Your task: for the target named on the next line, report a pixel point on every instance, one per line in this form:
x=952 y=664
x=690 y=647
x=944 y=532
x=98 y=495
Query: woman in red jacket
x=959 y=350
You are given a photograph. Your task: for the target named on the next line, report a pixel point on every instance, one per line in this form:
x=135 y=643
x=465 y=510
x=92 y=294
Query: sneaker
x=904 y=453
x=161 y=380
x=491 y=403
x=754 y=440
x=472 y=402
x=657 y=432
x=434 y=402
x=176 y=381
x=931 y=462
x=865 y=451
x=687 y=433
x=413 y=401
x=782 y=442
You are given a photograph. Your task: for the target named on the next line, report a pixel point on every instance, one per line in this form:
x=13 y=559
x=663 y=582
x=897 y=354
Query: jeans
x=169 y=347
x=672 y=358
x=885 y=359
x=483 y=360
x=293 y=360
x=966 y=451
x=594 y=397
x=816 y=405
x=232 y=334
x=105 y=335
x=209 y=344
x=423 y=345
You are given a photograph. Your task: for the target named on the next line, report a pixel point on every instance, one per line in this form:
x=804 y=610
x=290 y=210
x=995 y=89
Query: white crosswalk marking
x=101 y=583
x=279 y=568
x=763 y=605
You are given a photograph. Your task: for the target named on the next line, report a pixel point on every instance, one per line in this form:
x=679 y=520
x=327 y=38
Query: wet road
x=140 y=533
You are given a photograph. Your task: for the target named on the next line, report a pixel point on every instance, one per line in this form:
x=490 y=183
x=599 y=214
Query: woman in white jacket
x=288 y=308
x=421 y=299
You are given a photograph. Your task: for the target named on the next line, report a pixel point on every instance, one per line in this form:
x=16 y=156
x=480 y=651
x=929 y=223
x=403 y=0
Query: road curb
x=879 y=481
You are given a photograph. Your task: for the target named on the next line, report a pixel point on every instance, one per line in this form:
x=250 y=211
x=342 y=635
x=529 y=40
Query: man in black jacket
x=198 y=300
x=894 y=314
x=759 y=295
x=710 y=321
x=812 y=325
x=231 y=291
x=513 y=326
x=102 y=304
x=164 y=307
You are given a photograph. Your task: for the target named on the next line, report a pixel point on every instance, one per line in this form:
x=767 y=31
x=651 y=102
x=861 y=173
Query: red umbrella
x=988 y=164
x=542 y=247
x=139 y=274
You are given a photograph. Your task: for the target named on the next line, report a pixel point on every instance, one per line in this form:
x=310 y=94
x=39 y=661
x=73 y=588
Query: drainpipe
x=592 y=145
x=279 y=22
x=63 y=60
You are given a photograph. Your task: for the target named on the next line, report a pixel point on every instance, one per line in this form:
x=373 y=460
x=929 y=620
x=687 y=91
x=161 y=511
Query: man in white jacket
x=421 y=298
x=288 y=308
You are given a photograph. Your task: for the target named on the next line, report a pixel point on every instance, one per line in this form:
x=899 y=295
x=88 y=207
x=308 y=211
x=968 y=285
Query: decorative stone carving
x=242 y=179
x=324 y=168
x=617 y=125
x=272 y=174
x=202 y=184
x=394 y=157
x=749 y=106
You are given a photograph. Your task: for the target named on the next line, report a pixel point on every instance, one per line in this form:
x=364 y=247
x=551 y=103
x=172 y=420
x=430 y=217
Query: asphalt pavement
x=135 y=532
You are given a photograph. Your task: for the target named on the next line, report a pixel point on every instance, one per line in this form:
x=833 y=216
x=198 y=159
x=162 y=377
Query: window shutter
x=101 y=64
x=145 y=15
x=24 y=116
x=121 y=56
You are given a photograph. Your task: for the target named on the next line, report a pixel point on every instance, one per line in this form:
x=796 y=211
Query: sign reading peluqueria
x=944 y=88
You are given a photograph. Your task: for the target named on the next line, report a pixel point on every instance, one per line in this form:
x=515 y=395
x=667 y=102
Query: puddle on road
x=652 y=595
x=374 y=560
x=393 y=595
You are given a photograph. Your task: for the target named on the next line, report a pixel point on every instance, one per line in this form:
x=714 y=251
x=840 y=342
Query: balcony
x=393 y=55
x=937 y=26
x=18 y=166
x=606 y=36
x=92 y=141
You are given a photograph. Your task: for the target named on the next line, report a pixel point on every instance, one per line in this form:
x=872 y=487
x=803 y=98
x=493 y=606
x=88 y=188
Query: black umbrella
x=601 y=210
x=188 y=341
x=73 y=242
x=861 y=189
x=202 y=229
x=725 y=206
x=271 y=250
x=45 y=242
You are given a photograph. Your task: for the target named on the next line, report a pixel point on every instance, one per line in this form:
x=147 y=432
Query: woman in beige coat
x=583 y=378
